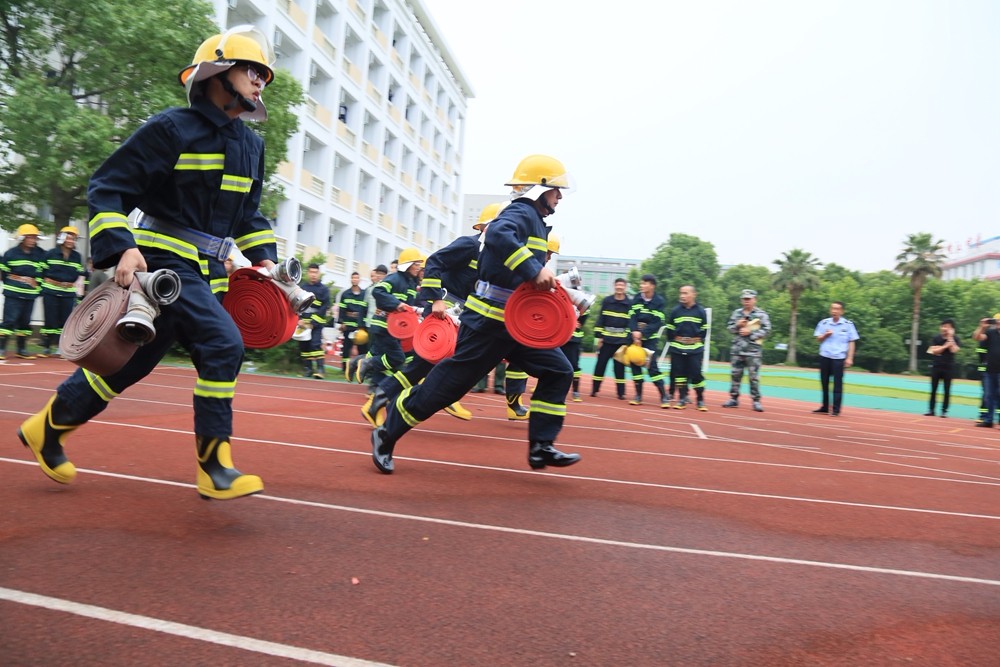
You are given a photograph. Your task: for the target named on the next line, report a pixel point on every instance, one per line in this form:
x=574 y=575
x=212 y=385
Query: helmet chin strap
x=245 y=103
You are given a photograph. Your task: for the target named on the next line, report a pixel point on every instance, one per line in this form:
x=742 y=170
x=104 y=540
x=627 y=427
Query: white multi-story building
x=376 y=165
x=979 y=258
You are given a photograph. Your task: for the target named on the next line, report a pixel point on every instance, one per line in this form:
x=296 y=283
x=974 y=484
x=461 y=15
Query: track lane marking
x=241 y=642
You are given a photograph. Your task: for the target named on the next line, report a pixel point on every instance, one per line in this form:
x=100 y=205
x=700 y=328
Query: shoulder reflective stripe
x=103 y=221
x=236 y=183
x=255 y=239
x=517 y=257
x=214 y=388
x=535 y=243
x=482 y=308
x=200 y=161
x=99 y=386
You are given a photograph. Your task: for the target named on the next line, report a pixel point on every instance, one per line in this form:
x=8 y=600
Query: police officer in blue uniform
x=62 y=266
x=514 y=251
x=837 y=337
x=197 y=174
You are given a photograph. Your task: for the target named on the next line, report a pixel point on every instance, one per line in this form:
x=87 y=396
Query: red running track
x=682 y=538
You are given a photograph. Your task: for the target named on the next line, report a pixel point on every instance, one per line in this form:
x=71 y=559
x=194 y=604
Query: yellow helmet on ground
x=636 y=354
x=360 y=337
x=489 y=214
x=408 y=257
x=242 y=43
x=27 y=229
x=65 y=232
x=553 y=243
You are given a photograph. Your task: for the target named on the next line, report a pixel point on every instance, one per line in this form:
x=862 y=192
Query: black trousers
x=604 y=355
x=831 y=368
x=942 y=375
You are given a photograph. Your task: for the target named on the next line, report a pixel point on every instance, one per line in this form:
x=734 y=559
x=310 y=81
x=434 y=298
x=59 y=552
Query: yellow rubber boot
x=44 y=438
x=217 y=478
x=456 y=410
x=516 y=411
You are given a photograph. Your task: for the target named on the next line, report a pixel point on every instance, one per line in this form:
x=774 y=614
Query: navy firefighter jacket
x=515 y=250
x=193 y=167
x=453 y=268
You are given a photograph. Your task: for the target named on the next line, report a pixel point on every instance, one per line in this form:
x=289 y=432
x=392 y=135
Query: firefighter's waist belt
x=615 y=330
x=488 y=291
x=213 y=246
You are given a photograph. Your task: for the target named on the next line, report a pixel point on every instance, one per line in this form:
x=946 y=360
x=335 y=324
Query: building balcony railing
x=345 y=133
x=294 y=12
x=396 y=60
x=403 y=231
x=385 y=221
x=324 y=44
x=369 y=151
x=418 y=239
x=365 y=211
x=409 y=129
x=380 y=37
x=396 y=115
x=286 y=170
x=340 y=198
x=357 y=9
x=312 y=184
x=338 y=263
x=374 y=94
x=352 y=71
x=388 y=166
x=425 y=144
x=407 y=180
x=320 y=113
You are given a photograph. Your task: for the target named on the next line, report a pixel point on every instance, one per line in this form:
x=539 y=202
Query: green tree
x=79 y=78
x=683 y=260
x=798 y=271
x=920 y=260
x=881 y=348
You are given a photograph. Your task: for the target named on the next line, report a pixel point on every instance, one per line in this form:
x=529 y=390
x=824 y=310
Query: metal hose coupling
x=286 y=276
x=149 y=291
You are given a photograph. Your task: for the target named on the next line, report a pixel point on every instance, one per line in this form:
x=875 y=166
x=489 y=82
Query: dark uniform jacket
x=193 y=167
x=394 y=289
x=63 y=270
x=685 y=323
x=453 y=268
x=515 y=250
x=647 y=316
x=316 y=312
x=352 y=308
x=17 y=262
x=613 y=323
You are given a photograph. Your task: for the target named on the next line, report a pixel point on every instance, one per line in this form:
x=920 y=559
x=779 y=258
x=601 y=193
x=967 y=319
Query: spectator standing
x=611 y=332
x=314 y=318
x=837 y=338
x=62 y=267
x=21 y=270
x=988 y=332
x=749 y=325
x=350 y=316
x=942 y=348
x=687 y=328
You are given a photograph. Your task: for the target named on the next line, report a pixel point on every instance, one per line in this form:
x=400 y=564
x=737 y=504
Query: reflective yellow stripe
x=219 y=285
x=486 y=310
x=407 y=417
x=107 y=220
x=517 y=375
x=474 y=264
x=148 y=239
x=214 y=389
x=431 y=283
x=99 y=386
x=517 y=257
x=555 y=409
x=403 y=381
x=200 y=161
x=535 y=243
x=236 y=183
x=253 y=240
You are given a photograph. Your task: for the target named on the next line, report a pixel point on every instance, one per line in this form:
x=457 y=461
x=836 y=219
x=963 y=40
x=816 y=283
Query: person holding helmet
x=610 y=333
x=21 y=268
x=314 y=319
x=645 y=320
x=449 y=276
x=350 y=315
x=395 y=293
x=196 y=174
x=63 y=265
x=513 y=252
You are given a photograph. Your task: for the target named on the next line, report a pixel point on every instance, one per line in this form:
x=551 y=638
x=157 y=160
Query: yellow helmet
x=242 y=43
x=360 y=337
x=489 y=214
x=27 y=229
x=540 y=170
x=408 y=257
x=636 y=354
x=553 y=243
x=65 y=232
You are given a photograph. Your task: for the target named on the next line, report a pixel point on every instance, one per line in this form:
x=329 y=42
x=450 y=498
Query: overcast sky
x=835 y=127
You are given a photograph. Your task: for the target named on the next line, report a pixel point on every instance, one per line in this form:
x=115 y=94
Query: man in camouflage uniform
x=749 y=324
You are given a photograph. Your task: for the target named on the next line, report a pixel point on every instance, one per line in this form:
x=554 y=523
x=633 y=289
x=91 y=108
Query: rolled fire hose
x=112 y=322
x=261 y=308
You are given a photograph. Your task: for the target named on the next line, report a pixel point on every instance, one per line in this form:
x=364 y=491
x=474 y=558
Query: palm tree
x=797 y=272
x=921 y=260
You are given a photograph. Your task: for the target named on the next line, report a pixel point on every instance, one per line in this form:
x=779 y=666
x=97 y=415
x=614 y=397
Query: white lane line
x=908 y=456
x=186 y=631
x=568 y=478
x=699 y=432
